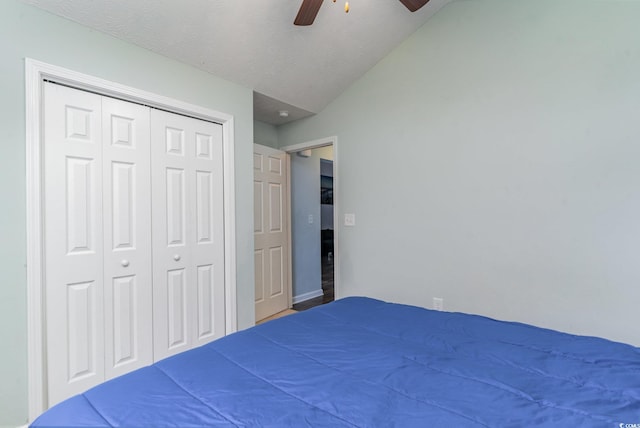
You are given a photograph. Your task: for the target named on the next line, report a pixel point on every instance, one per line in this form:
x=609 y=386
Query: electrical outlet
x=310 y=219
x=438 y=303
x=349 y=219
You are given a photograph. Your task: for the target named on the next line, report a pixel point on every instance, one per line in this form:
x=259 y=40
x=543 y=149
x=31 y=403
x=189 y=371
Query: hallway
x=327 y=287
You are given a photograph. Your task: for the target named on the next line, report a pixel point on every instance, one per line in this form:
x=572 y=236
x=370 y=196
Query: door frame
x=36 y=72
x=308 y=145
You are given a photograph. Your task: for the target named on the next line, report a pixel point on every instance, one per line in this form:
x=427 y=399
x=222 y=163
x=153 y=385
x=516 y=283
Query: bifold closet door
x=188 y=227
x=127 y=233
x=97 y=239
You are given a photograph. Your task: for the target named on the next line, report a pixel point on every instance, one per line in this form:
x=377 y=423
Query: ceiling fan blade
x=414 y=5
x=308 y=11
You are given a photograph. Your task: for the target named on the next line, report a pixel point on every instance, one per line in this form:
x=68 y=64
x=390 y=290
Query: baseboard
x=307 y=296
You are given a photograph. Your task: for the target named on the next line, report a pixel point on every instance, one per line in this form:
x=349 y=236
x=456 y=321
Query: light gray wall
x=305 y=237
x=265 y=134
x=492 y=160
x=29 y=32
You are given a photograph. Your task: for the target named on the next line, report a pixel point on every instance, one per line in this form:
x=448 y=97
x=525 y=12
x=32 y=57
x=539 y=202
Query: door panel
x=125 y=337
x=123 y=190
x=82 y=334
x=259 y=274
x=204 y=207
x=276 y=281
x=189 y=238
x=258 y=217
x=275 y=207
x=73 y=241
x=208 y=231
x=175 y=207
x=126 y=195
x=81 y=228
x=177 y=308
x=272 y=283
x=206 y=301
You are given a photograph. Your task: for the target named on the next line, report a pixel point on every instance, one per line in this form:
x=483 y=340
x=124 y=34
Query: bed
x=360 y=362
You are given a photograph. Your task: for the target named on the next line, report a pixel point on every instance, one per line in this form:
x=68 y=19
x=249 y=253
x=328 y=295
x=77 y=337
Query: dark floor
x=327 y=288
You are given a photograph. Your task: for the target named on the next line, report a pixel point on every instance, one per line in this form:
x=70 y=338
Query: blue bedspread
x=361 y=362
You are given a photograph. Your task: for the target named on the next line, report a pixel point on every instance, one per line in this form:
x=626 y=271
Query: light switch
x=349 y=219
x=310 y=218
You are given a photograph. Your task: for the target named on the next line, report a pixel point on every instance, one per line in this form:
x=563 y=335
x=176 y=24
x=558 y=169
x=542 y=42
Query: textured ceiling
x=254 y=42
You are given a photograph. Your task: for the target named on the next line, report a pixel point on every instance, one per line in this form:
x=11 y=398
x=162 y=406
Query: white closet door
x=73 y=240
x=127 y=236
x=188 y=246
x=207 y=250
x=98 y=239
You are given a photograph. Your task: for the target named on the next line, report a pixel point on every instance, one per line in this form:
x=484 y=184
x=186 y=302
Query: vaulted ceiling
x=254 y=42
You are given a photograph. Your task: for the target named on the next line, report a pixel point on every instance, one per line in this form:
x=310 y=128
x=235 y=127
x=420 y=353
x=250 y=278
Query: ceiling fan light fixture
x=414 y=5
x=309 y=9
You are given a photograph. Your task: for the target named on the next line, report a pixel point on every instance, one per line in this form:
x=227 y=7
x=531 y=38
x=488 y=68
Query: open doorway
x=327 y=228
x=313 y=235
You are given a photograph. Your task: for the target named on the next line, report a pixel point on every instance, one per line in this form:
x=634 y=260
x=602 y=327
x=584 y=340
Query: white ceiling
x=254 y=42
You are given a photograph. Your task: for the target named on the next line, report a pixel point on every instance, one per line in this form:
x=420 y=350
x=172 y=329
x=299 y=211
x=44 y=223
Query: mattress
x=360 y=362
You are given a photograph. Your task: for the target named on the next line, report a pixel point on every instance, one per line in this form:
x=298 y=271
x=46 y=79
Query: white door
x=272 y=282
x=126 y=196
x=97 y=239
x=188 y=228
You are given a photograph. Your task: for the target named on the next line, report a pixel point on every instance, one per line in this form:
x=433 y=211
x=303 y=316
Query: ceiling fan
x=309 y=9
